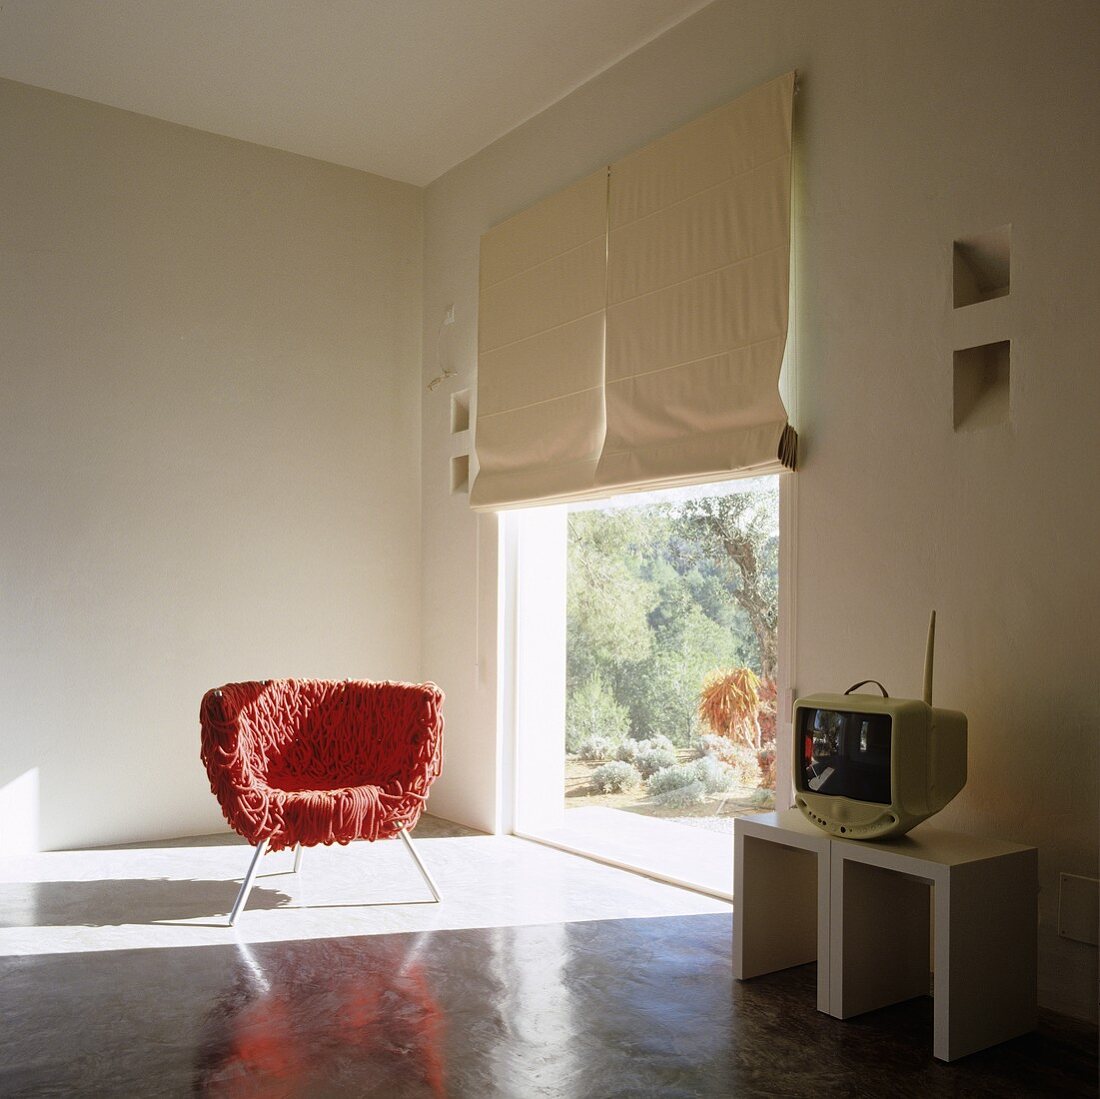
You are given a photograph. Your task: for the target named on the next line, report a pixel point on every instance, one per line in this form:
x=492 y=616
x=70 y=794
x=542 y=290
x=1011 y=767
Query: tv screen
x=846 y=754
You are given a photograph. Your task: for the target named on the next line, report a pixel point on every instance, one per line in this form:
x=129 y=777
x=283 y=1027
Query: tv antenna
x=929 y=656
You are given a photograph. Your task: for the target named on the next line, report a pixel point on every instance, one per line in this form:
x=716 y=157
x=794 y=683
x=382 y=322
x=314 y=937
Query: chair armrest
x=413 y=736
x=233 y=760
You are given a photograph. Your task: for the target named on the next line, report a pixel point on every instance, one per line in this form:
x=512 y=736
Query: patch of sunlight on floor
x=178 y=893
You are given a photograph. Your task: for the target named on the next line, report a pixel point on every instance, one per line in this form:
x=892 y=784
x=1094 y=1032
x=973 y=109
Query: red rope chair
x=298 y=762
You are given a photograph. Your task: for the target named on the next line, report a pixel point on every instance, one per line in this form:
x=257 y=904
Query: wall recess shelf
x=982 y=267
x=982 y=386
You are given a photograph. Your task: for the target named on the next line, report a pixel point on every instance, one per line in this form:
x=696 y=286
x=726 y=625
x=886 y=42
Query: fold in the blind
x=697 y=292
x=540 y=413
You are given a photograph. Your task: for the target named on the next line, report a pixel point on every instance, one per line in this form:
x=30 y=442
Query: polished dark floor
x=641 y=1007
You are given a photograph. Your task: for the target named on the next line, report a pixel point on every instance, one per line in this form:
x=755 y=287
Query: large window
x=671 y=653
x=647 y=665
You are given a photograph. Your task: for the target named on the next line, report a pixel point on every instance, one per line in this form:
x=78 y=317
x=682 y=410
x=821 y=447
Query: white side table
x=980 y=915
x=781 y=886
x=878 y=916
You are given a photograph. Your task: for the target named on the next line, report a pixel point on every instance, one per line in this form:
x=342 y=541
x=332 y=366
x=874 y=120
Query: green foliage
x=738 y=533
x=592 y=712
x=661 y=695
x=608 y=602
x=662 y=691
x=615 y=777
x=659 y=598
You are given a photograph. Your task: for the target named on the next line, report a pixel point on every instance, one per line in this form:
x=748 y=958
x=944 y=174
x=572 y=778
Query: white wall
x=209 y=450
x=917 y=122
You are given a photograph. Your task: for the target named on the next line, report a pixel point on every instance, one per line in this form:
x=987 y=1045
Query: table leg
x=880 y=937
x=986 y=945
x=777 y=899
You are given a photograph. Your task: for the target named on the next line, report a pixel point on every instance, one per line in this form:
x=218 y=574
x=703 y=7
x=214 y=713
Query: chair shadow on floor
x=113 y=902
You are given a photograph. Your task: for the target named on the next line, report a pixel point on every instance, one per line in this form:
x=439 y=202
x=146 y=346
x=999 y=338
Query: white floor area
x=173 y=896
x=675 y=853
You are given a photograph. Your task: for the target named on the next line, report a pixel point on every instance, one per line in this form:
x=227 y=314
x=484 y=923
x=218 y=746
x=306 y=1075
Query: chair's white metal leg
x=404 y=834
x=299 y=853
x=246 y=885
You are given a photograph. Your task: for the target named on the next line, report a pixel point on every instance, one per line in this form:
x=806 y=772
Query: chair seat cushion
x=311 y=784
x=339 y=815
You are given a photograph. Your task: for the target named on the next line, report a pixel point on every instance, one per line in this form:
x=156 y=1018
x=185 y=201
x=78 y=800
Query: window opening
x=661 y=718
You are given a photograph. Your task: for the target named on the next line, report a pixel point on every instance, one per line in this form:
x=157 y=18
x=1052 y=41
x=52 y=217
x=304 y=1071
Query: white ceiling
x=404 y=88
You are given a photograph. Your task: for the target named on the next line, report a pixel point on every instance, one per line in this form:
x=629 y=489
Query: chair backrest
x=332 y=732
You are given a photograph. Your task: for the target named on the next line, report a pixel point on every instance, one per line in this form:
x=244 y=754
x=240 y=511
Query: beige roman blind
x=540 y=414
x=697 y=290
x=632 y=327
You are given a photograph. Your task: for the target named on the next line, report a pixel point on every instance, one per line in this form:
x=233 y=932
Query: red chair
x=298 y=762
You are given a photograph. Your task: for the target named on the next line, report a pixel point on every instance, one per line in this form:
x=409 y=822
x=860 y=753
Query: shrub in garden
x=671 y=778
x=697 y=747
x=766 y=715
x=616 y=776
x=746 y=767
x=720 y=747
x=765 y=759
x=596 y=747
x=652 y=760
x=741 y=758
x=629 y=749
x=684 y=796
x=717 y=777
x=712 y=776
x=730 y=703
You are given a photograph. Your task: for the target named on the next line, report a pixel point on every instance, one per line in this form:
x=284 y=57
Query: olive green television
x=868 y=767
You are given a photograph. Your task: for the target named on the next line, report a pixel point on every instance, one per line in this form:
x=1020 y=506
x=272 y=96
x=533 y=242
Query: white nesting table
x=879 y=915
x=781 y=883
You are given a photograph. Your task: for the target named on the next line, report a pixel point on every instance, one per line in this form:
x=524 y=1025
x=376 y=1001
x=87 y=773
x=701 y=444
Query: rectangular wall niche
x=460 y=412
x=460 y=473
x=982 y=266
x=982 y=386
